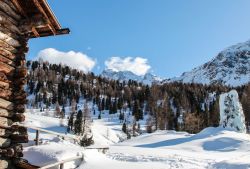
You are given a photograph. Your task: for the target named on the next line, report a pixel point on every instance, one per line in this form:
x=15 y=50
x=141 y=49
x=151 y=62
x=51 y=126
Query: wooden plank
x=52 y=29
x=48 y=33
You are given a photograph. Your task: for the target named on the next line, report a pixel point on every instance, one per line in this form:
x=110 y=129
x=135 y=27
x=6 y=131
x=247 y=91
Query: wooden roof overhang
x=39 y=20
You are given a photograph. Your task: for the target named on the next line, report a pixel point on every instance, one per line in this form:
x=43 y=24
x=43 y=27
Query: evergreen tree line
x=178 y=106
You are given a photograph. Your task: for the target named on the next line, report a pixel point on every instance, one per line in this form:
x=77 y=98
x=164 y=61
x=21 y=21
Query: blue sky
x=172 y=36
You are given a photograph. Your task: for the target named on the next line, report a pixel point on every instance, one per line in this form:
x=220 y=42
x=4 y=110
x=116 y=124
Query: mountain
x=147 y=79
x=230 y=67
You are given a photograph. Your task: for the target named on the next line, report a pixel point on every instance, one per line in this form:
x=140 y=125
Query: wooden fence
x=61 y=163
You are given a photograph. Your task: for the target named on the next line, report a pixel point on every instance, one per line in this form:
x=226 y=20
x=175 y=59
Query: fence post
x=61 y=166
x=37 y=137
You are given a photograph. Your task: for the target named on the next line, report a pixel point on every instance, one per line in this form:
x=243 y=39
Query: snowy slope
x=229 y=67
x=211 y=148
x=147 y=79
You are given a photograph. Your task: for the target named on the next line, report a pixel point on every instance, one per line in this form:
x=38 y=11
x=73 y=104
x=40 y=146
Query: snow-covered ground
x=211 y=148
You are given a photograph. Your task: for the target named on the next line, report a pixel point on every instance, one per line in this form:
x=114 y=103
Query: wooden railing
x=76 y=139
x=61 y=163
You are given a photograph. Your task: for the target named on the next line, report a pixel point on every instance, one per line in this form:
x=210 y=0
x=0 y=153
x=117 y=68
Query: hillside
x=230 y=67
x=211 y=148
x=168 y=106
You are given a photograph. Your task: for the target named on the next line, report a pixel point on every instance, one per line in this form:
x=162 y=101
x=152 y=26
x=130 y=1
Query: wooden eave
x=39 y=18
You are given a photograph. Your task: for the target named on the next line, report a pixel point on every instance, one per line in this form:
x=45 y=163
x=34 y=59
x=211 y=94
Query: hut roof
x=39 y=18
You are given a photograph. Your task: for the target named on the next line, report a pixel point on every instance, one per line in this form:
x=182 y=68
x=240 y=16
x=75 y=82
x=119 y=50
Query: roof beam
x=35 y=32
x=19 y=8
x=52 y=29
x=38 y=5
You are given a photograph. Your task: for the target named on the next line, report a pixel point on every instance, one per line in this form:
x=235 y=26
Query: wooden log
x=18 y=117
x=5 y=122
x=6 y=90
x=6 y=104
x=5 y=132
x=5 y=163
x=5 y=113
x=16 y=129
x=6 y=60
x=5 y=94
x=10 y=30
x=3 y=77
x=20 y=72
x=4 y=142
x=4 y=85
x=23 y=164
x=6 y=68
x=13 y=117
x=8 y=10
x=11 y=5
x=16 y=138
x=7 y=47
x=20 y=62
x=9 y=40
x=13 y=151
x=19 y=129
x=20 y=108
x=20 y=82
x=6 y=17
x=19 y=96
x=7 y=54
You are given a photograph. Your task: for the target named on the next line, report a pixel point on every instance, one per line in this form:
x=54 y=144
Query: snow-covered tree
x=87 y=138
x=231 y=113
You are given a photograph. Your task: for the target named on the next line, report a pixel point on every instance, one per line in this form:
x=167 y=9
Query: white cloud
x=138 y=65
x=73 y=59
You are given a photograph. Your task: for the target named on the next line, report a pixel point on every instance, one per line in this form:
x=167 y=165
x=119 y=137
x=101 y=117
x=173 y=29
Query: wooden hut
x=20 y=20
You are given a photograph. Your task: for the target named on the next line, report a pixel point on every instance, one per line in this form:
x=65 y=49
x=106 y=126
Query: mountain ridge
x=146 y=79
x=230 y=67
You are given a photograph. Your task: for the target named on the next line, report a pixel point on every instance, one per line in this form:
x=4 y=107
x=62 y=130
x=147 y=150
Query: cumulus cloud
x=138 y=65
x=73 y=59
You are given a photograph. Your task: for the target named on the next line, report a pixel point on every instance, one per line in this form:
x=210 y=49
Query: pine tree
x=71 y=122
x=78 y=123
x=124 y=127
x=136 y=111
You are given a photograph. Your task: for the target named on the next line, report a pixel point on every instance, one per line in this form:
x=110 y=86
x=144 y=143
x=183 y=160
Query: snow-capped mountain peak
x=146 y=79
x=230 y=67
